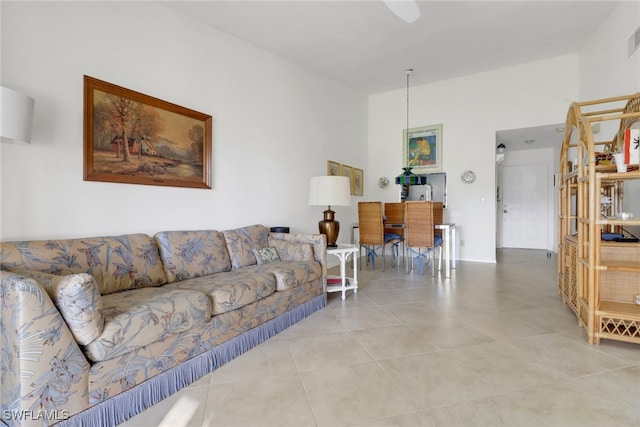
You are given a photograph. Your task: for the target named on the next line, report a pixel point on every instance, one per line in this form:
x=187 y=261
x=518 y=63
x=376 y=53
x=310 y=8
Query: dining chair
x=420 y=234
x=394 y=215
x=372 y=235
x=438 y=215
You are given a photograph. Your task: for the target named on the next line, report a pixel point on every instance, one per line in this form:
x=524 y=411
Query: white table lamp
x=328 y=191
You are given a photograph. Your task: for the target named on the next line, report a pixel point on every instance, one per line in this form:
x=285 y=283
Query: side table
x=345 y=283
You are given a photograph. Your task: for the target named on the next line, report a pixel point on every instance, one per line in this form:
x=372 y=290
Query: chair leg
x=433 y=263
x=420 y=262
x=371 y=255
x=407 y=267
x=373 y=258
x=395 y=254
x=383 y=246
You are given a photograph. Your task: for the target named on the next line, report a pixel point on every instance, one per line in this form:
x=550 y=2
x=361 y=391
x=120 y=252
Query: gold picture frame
x=422 y=150
x=346 y=170
x=357 y=182
x=133 y=138
x=333 y=168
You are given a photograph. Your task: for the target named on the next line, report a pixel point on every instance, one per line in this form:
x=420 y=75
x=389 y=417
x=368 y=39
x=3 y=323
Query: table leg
x=447 y=252
x=355 y=273
x=453 y=246
x=343 y=261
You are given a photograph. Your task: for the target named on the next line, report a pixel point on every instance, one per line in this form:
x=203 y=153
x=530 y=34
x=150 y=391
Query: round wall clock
x=383 y=182
x=468 y=177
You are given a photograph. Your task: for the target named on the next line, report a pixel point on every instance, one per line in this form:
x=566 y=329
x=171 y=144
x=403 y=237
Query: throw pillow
x=293 y=251
x=266 y=255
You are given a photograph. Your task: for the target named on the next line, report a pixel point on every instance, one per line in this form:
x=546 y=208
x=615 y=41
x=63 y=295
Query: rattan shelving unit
x=598 y=279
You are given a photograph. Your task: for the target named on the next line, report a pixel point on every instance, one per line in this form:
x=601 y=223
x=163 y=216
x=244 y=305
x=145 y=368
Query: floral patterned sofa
x=95 y=330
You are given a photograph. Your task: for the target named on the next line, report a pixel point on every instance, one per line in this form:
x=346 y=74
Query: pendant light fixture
x=408 y=177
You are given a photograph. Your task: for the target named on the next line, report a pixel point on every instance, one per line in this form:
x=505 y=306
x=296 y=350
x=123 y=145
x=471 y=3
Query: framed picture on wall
x=134 y=138
x=423 y=148
x=357 y=182
x=346 y=171
x=333 y=168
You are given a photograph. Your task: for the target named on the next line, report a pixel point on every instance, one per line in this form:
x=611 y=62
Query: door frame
x=546 y=156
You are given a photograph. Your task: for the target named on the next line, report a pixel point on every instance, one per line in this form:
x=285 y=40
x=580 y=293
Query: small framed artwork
x=346 y=171
x=333 y=168
x=133 y=138
x=423 y=148
x=357 y=182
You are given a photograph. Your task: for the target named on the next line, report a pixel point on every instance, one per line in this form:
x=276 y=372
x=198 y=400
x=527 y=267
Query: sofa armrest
x=77 y=298
x=317 y=241
x=44 y=373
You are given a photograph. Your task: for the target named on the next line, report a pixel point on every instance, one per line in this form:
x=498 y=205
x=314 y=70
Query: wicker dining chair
x=420 y=233
x=438 y=216
x=372 y=235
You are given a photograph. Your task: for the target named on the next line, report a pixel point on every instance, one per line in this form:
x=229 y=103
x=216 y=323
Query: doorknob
x=505 y=211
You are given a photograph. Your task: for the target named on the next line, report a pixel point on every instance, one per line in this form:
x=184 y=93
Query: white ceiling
x=365 y=46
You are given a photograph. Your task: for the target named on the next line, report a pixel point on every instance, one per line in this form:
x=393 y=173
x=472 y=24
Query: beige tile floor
x=491 y=346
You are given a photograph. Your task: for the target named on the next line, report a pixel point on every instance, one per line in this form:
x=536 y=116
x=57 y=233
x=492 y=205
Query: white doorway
x=525 y=206
x=530 y=162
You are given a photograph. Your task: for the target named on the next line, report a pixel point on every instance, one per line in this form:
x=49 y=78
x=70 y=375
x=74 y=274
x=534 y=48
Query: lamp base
x=330 y=228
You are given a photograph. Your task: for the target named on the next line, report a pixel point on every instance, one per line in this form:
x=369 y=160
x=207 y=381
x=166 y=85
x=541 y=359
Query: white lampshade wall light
x=16 y=116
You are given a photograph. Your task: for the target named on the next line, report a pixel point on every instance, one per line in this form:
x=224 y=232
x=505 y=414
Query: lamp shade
x=409 y=178
x=329 y=191
x=16 y=116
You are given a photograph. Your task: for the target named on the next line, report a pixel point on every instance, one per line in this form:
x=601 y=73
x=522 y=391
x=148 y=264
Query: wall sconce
x=327 y=191
x=500 y=152
x=16 y=116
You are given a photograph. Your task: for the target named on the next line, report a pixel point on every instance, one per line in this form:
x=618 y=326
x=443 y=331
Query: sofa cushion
x=78 y=300
x=135 y=318
x=116 y=263
x=289 y=251
x=232 y=290
x=289 y=274
x=241 y=241
x=187 y=254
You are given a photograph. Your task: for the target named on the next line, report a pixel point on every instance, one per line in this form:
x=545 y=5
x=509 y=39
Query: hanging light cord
x=409 y=71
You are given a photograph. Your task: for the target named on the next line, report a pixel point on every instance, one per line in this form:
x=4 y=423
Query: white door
x=525 y=212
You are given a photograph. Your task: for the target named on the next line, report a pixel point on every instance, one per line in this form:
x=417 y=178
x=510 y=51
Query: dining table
x=448 y=242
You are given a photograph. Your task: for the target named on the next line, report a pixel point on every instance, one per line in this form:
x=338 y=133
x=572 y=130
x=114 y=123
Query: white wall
x=606 y=70
x=471 y=109
x=275 y=124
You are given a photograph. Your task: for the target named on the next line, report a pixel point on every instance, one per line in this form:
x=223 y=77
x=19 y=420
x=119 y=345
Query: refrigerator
x=434 y=190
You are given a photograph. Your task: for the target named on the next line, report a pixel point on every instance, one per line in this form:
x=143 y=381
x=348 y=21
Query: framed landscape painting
x=133 y=138
x=423 y=148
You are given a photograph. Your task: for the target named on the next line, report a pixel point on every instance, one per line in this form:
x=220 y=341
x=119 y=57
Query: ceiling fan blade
x=407 y=10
